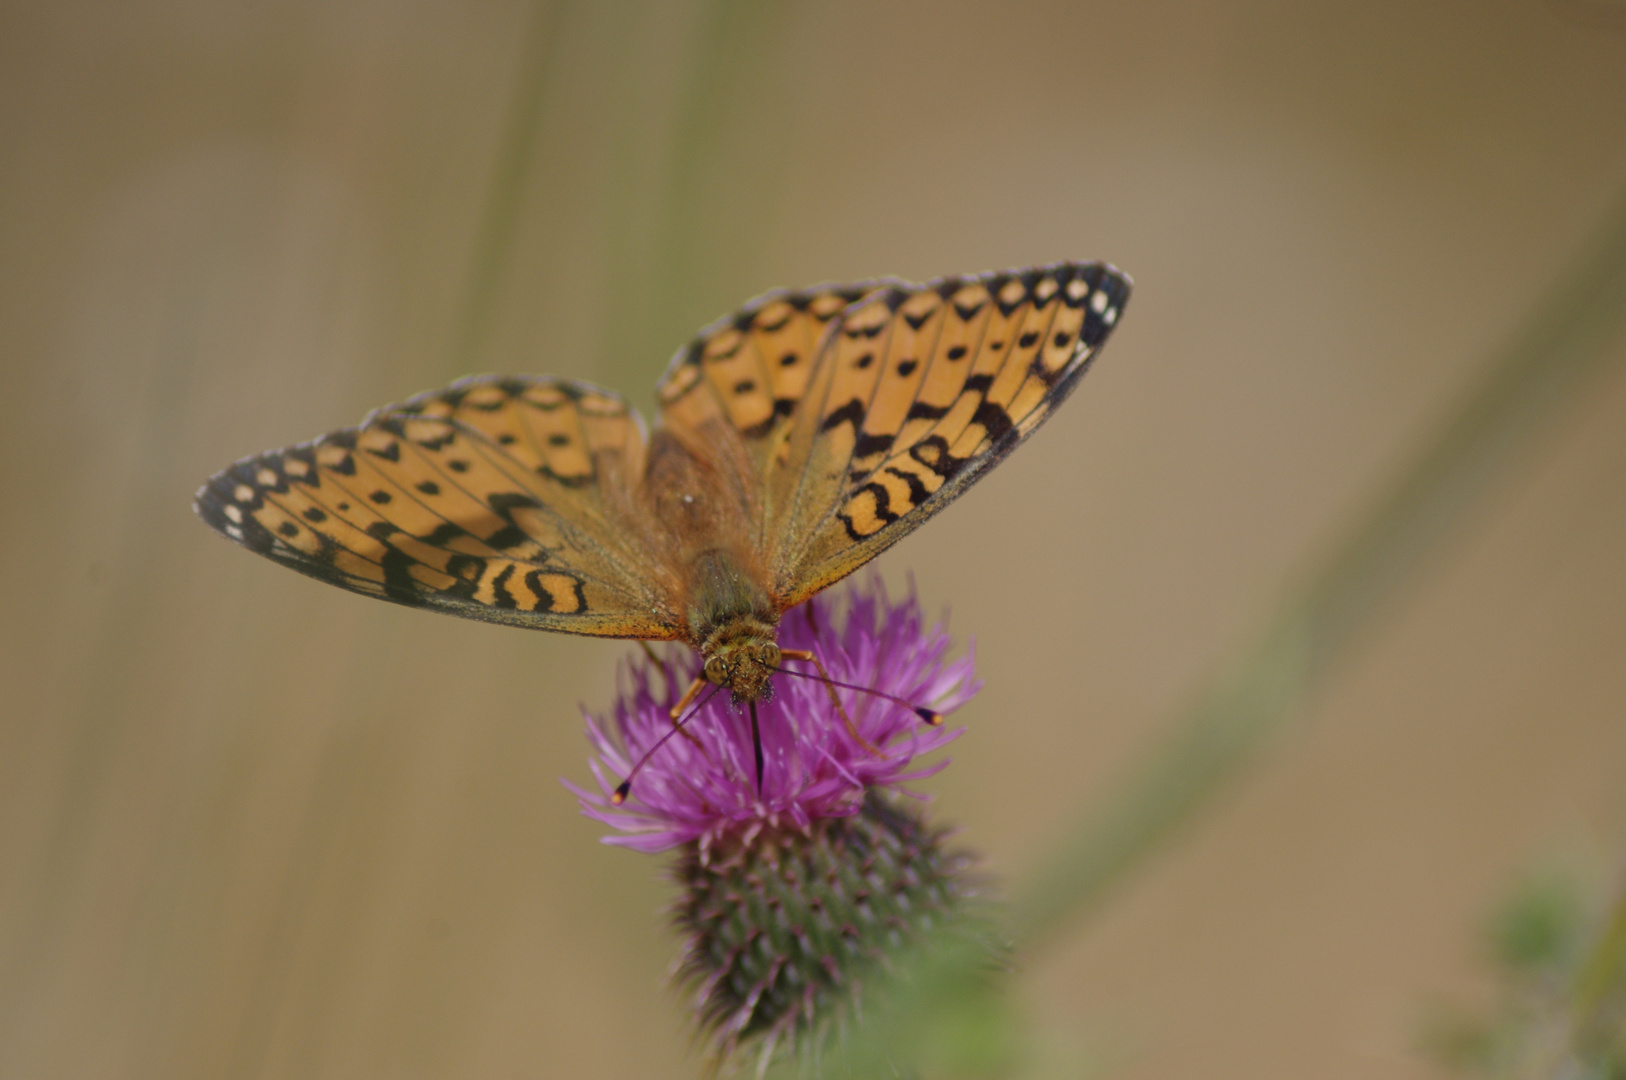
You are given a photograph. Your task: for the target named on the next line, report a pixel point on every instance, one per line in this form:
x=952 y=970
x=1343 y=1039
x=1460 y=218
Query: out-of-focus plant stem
x=719 y=185
x=1540 y=374
x=1602 y=974
x=516 y=151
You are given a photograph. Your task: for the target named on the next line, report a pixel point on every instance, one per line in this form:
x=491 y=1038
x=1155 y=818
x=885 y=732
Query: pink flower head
x=702 y=784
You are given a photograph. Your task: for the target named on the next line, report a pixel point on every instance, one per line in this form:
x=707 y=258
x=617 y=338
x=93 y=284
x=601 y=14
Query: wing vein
x=614 y=586
x=579 y=539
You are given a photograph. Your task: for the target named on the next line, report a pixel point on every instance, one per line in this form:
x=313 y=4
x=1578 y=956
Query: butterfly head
x=743 y=656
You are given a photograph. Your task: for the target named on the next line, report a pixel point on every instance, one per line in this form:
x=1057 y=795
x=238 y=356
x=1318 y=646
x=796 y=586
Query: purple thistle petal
x=701 y=784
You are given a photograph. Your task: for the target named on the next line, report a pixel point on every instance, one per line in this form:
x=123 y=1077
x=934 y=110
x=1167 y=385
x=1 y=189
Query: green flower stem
x=1539 y=375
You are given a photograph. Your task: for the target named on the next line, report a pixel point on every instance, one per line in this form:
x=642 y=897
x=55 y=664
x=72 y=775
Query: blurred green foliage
x=1561 y=1008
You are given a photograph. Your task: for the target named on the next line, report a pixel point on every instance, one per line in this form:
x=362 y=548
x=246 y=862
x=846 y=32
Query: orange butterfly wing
x=735 y=389
x=918 y=391
x=501 y=499
x=865 y=409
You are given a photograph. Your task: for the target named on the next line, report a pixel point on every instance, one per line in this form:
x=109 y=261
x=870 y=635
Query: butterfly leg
x=624 y=788
x=824 y=677
x=688 y=697
x=684 y=702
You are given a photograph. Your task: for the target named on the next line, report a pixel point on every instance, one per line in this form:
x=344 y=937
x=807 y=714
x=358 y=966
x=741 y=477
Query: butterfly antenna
x=623 y=789
x=931 y=716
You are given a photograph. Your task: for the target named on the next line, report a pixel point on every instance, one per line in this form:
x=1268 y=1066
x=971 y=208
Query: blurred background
x=251 y=826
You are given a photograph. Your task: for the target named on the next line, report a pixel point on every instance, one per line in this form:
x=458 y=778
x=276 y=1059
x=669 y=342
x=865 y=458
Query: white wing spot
x=683 y=379
x=235 y=514
x=243 y=493
x=1110 y=316
x=1076 y=289
x=234 y=532
x=597 y=405
x=1098 y=302
x=266 y=477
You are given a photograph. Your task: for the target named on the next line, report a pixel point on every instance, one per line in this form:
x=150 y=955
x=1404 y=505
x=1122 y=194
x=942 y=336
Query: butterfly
x=799 y=438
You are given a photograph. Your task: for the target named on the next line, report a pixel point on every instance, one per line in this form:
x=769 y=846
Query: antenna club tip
x=935 y=719
x=622 y=790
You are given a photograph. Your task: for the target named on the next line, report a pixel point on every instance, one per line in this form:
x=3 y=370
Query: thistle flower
x=791 y=897
x=701 y=786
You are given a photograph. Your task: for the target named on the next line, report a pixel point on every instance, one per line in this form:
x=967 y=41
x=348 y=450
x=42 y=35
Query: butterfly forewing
x=918 y=390
x=496 y=499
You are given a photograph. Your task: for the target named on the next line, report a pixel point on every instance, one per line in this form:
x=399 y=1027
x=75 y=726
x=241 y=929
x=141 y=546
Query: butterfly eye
x=717 y=670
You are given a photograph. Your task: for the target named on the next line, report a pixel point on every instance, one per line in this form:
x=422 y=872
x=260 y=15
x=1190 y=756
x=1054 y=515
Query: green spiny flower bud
x=782 y=927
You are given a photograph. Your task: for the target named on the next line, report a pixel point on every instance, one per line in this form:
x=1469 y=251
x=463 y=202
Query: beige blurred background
x=251 y=826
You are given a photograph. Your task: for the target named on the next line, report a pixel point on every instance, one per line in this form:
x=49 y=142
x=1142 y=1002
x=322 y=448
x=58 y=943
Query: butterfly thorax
x=734 y=625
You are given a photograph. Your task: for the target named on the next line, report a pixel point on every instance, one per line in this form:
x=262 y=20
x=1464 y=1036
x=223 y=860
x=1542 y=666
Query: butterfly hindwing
x=495 y=499
x=751 y=369
x=917 y=391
